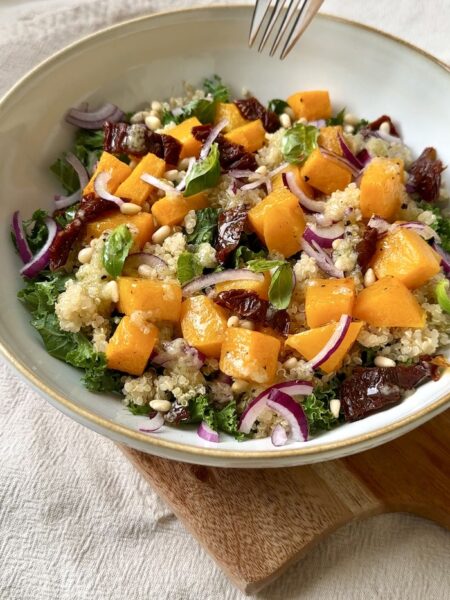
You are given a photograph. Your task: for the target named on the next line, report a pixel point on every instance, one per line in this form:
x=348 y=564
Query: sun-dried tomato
x=375 y=125
x=230 y=228
x=366 y=248
x=171 y=149
x=177 y=414
x=90 y=208
x=252 y=109
x=232 y=156
x=114 y=137
x=425 y=175
x=278 y=320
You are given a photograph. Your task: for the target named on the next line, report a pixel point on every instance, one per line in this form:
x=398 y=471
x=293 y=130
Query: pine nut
x=247 y=325
x=285 y=121
x=384 y=361
x=233 y=321
x=85 y=255
x=384 y=127
x=349 y=129
x=335 y=407
x=161 y=405
x=239 y=386
x=145 y=271
x=262 y=170
x=111 y=291
x=152 y=122
x=351 y=119
x=140 y=116
x=161 y=234
x=290 y=363
x=302 y=120
x=156 y=106
x=183 y=164
x=129 y=208
x=171 y=175
x=369 y=278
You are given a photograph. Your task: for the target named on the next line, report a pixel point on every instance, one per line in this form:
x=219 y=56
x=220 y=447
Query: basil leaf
x=205 y=226
x=261 y=265
x=281 y=287
x=67 y=216
x=217 y=89
x=116 y=249
x=188 y=267
x=338 y=119
x=203 y=109
x=442 y=295
x=205 y=173
x=167 y=117
x=277 y=106
x=298 y=142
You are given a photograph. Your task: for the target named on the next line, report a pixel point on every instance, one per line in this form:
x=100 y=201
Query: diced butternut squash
x=249 y=355
x=382 y=188
x=389 y=303
x=251 y=135
x=142 y=227
x=278 y=183
x=279 y=222
x=160 y=301
x=310 y=343
x=329 y=138
x=324 y=173
x=260 y=287
x=229 y=111
x=172 y=209
x=130 y=347
x=183 y=133
x=203 y=324
x=136 y=190
x=405 y=255
x=118 y=170
x=328 y=299
x=311 y=105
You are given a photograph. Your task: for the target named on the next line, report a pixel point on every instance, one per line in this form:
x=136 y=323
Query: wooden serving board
x=275 y=515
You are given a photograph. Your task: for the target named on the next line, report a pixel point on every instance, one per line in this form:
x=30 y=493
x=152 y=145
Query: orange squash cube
x=160 y=301
x=229 y=111
x=136 y=190
x=203 y=324
x=259 y=287
x=249 y=355
x=277 y=181
x=329 y=138
x=172 y=209
x=183 y=133
x=118 y=170
x=251 y=135
x=310 y=343
x=405 y=255
x=389 y=303
x=325 y=174
x=328 y=299
x=130 y=347
x=382 y=188
x=142 y=227
x=311 y=105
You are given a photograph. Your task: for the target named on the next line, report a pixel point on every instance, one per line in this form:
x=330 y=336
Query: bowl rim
x=152 y=441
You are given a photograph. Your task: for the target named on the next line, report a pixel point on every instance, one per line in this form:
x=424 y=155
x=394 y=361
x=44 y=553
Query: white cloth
x=76 y=521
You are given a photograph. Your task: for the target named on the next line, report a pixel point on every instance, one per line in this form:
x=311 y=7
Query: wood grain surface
x=256 y=523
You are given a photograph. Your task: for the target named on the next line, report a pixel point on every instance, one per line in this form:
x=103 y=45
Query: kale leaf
x=442 y=224
x=316 y=406
x=338 y=119
x=217 y=89
x=220 y=419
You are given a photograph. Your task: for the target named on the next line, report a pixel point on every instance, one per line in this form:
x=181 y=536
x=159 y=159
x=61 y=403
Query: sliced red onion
x=101 y=188
x=158 y=183
x=211 y=137
x=240 y=173
x=343 y=161
x=255 y=184
x=21 y=240
x=155 y=423
x=422 y=229
x=206 y=433
x=322 y=220
x=134 y=261
x=94 y=119
x=258 y=404
x=364 y=157
x=285 y=406
x=322 y=259
x=268 y=185
x=316 y=206
x=324 y=236
x=318 y=123
x=204 y=281
x=348 y=154
x=333 y=343
x=279 y=435
x=445 y=263
x=41 y=259
x=278 y=169
x=182 y=183
x=387 y=137
x=378 y=223
x=62 y=202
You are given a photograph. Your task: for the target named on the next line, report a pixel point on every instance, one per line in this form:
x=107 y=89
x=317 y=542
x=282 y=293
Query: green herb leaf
x=167 y=117
x=442 y=295
x=116 y=249
x=98 y=378
x=227 y=420
x=188 y=267
x=278 y=106
x=217 y=89
x=261 y=265
x=338 y=119
x=316 y=406
x=36 y=230
x=281 y=287
x=243 y=255
x=441 y=225
x=205 y=226
x=298 y=142
x=67 y=216
x=361 y=125
x=203 y=109
x=205 y=173
x=138 y=409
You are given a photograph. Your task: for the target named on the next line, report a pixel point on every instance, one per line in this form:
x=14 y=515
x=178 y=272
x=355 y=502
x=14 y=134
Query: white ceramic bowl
x=148 y=58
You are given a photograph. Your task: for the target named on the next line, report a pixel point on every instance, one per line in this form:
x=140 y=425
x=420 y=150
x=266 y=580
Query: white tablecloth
x=76 y=521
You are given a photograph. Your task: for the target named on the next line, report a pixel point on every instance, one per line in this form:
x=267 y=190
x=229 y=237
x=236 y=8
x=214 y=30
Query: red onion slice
x=21 y=240
x=316 y=206
x=285 y=406
x=158 y=183
x=322 y=258
x=133 y=261
x=258 y=404
x=206 y=433
x=387 y=137
x=348 y=154
x=101 y=188
x=62 y=202
x=378 y=223
x=340 y=159
x=94 y=119
x=364 y=157
x=41 y=259
x=211 y=137
x=155 y=423
x=422 y=229
x=255 y=184
x=318 y=123
x=279 y=435
x=240 y=173
x=333 y=343
x=204 y=281
x=182 y=183
x=278 y=169
x=324 y=236
x=445 y=263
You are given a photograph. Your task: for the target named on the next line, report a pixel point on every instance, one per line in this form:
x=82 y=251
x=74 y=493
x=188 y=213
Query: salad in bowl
x=252 y=271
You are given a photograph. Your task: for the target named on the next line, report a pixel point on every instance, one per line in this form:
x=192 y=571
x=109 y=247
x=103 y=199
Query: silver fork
x=293 y=17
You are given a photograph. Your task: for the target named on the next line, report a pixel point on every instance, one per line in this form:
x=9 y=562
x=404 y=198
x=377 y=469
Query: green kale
x=35 y=230
x=316 y=406
x=202 y=108
x=228 y=422
x=217 y=89
x=338 y=119
x=205 y=226
x=188 y=267
x=67 y=216
x=243 y=255
x=362 y=124
x=224 y=419
x=442 y=224
x=368 y=356
x=139 y=409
